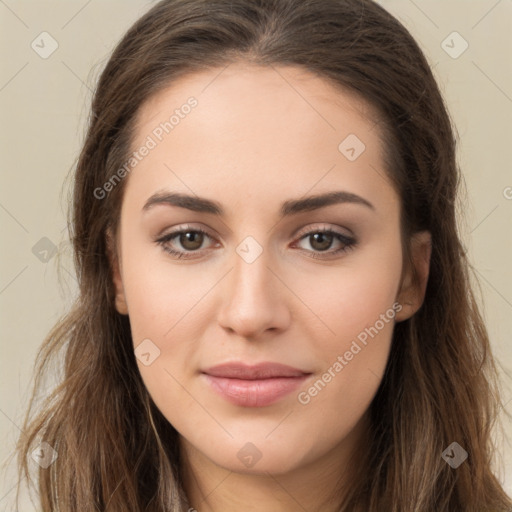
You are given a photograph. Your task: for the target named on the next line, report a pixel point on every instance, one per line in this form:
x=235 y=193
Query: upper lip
x=265 y=370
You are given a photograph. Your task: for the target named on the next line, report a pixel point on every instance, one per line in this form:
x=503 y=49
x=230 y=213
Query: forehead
x=259 y=131
x=242 y=86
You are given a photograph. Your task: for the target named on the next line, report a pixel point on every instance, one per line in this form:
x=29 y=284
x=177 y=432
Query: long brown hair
x=116 y=451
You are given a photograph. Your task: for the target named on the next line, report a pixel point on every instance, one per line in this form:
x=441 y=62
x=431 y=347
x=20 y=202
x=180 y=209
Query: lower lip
x=254 y=393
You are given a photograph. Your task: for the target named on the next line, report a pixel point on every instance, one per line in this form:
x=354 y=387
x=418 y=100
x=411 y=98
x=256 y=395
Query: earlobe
x=115 y=266
x=412 y=291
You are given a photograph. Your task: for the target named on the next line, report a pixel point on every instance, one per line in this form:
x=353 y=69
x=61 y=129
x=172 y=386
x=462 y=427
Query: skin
x=260 y=136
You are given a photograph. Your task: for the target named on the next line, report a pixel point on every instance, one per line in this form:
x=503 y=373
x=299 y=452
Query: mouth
x=254 y=386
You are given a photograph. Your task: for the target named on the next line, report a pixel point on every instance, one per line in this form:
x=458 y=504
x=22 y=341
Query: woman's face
x=263 y=160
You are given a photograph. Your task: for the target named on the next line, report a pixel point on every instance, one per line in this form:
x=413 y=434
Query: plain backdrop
x=44 y=101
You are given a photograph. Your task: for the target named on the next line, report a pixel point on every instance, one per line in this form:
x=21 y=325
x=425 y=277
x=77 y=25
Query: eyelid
x=321 y=227
x=183 y=228
x=296 y=234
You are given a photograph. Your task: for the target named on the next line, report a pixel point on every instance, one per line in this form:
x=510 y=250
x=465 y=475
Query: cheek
x=159 y=292
x=354 y=299
x=357 y=307
x=164 y=305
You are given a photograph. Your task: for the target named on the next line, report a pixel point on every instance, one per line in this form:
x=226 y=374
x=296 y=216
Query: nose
x=255 y=299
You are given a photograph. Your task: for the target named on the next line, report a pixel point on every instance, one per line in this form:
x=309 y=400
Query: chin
x=256 y=458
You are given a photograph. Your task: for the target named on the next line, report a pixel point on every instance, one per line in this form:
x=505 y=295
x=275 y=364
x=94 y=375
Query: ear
x=414 y=281
x=115 y=266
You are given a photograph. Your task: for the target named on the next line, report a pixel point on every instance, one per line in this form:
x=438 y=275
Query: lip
x=254 y=386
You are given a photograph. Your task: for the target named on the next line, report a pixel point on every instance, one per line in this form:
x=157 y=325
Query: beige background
x=44 y=104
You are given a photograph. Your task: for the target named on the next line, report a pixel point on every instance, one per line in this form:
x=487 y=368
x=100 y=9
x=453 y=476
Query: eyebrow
x=290 y=207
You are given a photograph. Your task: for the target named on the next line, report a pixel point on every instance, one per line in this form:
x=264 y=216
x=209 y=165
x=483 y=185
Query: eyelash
x=348 y=243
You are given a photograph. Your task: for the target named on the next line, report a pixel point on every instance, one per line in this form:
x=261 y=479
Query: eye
x=322 y=239
x=190 y=239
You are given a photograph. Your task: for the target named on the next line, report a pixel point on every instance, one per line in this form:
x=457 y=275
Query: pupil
x=189 y=241
x=326 y=238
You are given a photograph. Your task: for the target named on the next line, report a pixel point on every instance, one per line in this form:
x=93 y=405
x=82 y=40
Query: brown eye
x=184 y=243
x=191 y=240
x=321 y=241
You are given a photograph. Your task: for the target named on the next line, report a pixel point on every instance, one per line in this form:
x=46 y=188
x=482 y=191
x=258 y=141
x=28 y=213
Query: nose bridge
x=253 y=302
x=251 y=275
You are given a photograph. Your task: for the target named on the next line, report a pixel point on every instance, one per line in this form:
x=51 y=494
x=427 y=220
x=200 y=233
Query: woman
x=274 y=310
